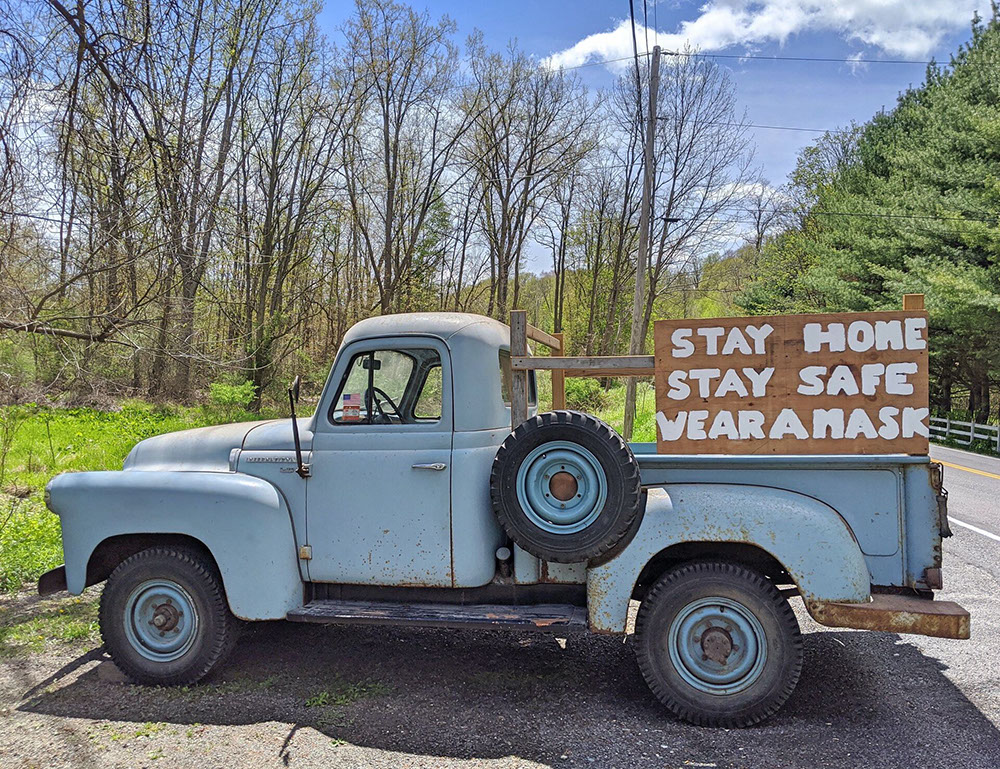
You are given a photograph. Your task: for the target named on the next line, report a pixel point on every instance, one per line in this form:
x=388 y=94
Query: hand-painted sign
x=847 y=383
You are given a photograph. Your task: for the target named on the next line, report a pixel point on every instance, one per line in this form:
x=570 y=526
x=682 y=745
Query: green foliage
x=585 y=394
x=343 y=692
x=613 y=413
x=65 y=621
x=231 y=396
x=50 y=441
x=908 y=204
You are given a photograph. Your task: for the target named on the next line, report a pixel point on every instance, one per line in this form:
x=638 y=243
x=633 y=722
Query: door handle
x=431 y=466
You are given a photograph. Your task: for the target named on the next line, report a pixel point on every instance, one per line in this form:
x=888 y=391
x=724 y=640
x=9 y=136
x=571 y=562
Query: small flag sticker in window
x=352 y=407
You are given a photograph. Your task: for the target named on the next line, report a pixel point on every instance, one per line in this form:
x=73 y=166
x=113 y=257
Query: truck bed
x=886 y=499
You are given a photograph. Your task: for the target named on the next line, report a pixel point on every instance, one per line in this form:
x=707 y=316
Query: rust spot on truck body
x=895 y=614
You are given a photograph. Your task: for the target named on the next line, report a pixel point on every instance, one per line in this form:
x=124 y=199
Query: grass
x=42 y=442
x=342 y=692
x=70 y=621
x=644 y=430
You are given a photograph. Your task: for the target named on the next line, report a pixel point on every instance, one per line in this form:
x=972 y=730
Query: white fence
x=965 y=432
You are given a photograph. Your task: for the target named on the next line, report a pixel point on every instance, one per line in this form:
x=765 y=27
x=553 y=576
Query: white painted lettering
x=788 y=423
x=681 y=339
x=815 y=337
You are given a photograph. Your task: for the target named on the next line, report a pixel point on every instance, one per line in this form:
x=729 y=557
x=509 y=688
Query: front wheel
x=718 y=644
x=164 y=617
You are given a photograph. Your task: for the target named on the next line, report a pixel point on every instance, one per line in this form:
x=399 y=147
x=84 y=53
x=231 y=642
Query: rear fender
x=243 y=521
x=810 y=540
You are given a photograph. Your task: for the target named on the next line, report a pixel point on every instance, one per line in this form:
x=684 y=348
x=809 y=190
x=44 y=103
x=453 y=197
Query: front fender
x=243 y=521
x=808 y=538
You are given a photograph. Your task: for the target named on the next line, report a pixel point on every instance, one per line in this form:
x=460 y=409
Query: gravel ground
x=310 y=696
x=296 y=695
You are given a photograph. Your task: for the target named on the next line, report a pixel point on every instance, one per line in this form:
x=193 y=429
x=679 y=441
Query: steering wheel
x=385 y=418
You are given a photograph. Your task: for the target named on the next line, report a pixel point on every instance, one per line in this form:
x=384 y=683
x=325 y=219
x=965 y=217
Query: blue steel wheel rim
x=160 y=620
x=717 y=646
x=534 y=487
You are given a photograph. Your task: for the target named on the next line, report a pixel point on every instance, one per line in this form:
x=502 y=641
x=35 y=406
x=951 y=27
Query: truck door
x=379 y=498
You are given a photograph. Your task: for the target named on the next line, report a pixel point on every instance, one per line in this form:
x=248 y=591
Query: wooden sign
x=845 y=383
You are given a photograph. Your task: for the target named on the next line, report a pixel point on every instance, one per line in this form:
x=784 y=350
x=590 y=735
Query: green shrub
x=585 y=394
x=231 y=396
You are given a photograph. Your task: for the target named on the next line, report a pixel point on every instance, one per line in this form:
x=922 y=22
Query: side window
x=389 y=387
x=506 y=381
x=429 y=402
x=506 y=378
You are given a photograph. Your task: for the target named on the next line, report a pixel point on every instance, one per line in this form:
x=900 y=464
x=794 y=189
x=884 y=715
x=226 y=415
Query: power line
x=762 y=125
x=826 y=59
x=635 y=45
x=645 y=24
x=879 y=215
x=699 y=55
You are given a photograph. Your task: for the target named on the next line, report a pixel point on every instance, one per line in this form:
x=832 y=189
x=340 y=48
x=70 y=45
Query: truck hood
x=202 y=448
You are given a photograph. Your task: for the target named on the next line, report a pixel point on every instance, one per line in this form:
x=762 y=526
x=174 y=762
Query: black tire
x=208 y=632
x=607 y=527
x=712 y=584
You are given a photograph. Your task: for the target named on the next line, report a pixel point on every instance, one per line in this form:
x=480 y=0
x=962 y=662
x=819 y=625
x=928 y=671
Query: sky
x=800 y=94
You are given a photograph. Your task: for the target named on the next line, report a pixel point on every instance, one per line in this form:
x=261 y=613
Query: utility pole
x=636 y=340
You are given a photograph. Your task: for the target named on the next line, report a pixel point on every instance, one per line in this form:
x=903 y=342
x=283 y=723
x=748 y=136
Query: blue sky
x=805 y=94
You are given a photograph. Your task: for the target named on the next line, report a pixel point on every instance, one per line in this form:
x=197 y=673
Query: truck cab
x=407 y=498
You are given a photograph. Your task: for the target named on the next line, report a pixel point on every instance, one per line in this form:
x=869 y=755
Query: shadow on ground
x=864 y=699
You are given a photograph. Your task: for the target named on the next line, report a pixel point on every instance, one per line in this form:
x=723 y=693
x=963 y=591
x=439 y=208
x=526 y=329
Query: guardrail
x=964 y=432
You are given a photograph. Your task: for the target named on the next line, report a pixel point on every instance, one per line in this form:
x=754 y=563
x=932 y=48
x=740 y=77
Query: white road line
x=976 y=529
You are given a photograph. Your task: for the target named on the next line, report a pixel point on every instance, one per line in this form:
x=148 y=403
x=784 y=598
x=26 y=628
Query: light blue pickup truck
x=407 y=499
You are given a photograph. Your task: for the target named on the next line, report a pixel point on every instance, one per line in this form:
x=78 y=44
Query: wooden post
x=519 y=378
x=559 y=377
x=913 y=301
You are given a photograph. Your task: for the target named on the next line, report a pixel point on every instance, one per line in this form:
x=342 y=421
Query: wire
x=761 y=125
x=826 y=59
x=821 y=59
x=875 y=215
x=635 y=45
x=645 y=29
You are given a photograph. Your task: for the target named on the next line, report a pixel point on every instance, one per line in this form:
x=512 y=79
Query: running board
x=551 y=617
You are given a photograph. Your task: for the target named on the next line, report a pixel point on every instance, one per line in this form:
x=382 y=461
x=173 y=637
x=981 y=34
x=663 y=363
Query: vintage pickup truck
x=407 y=499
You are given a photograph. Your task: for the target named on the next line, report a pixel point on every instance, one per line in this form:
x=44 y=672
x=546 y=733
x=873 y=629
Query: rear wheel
x=718 y=644
x=164 y=617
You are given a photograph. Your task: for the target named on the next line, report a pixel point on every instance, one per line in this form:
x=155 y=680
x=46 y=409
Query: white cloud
x=857 y=63
x=901 y=28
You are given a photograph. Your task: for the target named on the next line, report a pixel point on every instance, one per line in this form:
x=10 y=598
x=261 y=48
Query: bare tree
x=703 y=169
x=530 y=127
x=403 y=68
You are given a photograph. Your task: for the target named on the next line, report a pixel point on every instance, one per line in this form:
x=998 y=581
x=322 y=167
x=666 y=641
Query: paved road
x=439 y=698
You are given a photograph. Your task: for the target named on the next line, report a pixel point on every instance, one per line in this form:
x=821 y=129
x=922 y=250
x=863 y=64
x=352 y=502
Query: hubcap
x=717 y=645
x=160 y=620
x=561 y=487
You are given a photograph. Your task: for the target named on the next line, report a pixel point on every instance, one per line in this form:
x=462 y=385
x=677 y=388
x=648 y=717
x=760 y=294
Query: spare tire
x=565 y=486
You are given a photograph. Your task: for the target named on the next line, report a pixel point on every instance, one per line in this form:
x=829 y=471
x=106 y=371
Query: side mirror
x=294 y=389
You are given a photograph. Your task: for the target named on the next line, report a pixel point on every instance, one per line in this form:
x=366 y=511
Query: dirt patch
x=296 y=695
